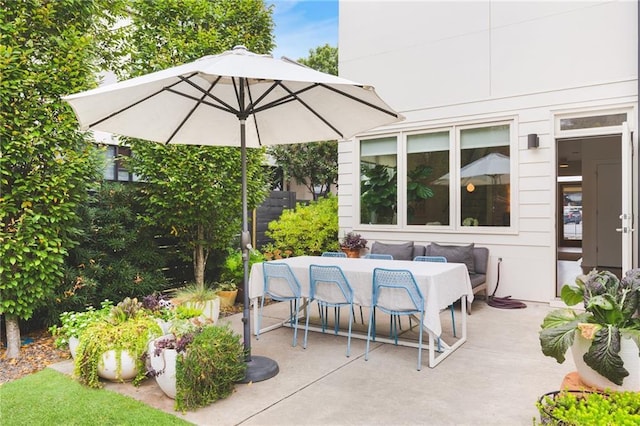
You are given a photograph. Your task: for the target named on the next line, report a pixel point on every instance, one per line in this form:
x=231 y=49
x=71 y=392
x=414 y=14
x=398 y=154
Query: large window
x=378 y=181
x=477 y=192
x=427 y=196
x=485 y=176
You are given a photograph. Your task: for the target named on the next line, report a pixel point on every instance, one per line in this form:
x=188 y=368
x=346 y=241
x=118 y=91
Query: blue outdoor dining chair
x=334 y=254
x=329 y=288
x=440 y=259
x=378 y=256
x=281 y=284
x=403 y=285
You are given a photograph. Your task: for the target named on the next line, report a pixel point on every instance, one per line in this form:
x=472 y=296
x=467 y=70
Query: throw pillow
x=455 y=254
x=398 y=251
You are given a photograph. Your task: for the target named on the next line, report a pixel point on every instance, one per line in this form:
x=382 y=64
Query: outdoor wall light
x=471 y=187
x=533 y=141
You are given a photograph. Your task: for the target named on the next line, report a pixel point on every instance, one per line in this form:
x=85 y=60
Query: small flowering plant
x=353 y=241
x=159 y=306
x=611 y=311
x=73 y=324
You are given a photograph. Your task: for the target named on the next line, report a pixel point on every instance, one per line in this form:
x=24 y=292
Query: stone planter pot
x=630 y=358
x=108 y=366
x=227 y=298
x=164 y=366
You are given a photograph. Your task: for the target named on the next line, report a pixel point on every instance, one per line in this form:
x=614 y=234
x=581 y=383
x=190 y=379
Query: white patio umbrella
x=492 y=169
x=211 y=100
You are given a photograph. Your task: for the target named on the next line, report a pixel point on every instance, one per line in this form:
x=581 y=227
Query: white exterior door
x=626 y=215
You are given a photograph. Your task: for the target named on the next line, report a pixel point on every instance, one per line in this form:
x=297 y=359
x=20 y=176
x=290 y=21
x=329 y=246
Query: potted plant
x=589 y=408
x=73 y=323
x=605 y=337
x=227 y=291
x=161 y=308
x=113 y=347
x=352 y=243
x=201 y=297
x=197 y=364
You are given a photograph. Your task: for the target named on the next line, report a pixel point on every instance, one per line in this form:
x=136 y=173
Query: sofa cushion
x=455 y=254
x=418 y=250
x=477 y=279
x=402 y=251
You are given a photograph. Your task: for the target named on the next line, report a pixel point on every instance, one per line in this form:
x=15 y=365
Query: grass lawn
x=52 y=398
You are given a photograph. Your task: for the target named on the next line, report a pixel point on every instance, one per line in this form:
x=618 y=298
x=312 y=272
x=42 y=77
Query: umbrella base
x=260 y=368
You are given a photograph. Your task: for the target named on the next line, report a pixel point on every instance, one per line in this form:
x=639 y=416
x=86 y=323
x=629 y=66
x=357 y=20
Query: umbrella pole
x=258 y=367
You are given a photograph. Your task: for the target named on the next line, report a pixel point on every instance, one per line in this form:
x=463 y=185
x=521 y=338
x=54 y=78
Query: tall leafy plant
x=195 y=191
x=47 y=50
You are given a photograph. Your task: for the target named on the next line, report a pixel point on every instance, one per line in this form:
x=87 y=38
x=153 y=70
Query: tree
x=195 y=191
x=315 y=164
x=47 y=50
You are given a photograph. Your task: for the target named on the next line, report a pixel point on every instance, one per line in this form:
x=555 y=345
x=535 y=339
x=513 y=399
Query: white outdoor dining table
x=440 y=283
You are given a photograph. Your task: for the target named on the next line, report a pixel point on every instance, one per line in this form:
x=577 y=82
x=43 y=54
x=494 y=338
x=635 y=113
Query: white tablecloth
x=440 y=283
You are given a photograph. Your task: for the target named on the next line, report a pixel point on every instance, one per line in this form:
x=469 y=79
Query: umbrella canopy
x=492 y=169
x=200 y=103
x=236 y=98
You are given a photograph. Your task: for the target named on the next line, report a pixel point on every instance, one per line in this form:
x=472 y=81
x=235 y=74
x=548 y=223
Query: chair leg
x=370 y=329
x=260 y=318
x=349 y=335
x=295 y=324
x=453 y=320
x=306 y=325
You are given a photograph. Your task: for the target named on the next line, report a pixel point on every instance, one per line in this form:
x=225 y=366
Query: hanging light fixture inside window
x=471 y=187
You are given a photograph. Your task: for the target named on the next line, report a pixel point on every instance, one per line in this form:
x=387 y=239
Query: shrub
x=213 y=363
x=308 y=229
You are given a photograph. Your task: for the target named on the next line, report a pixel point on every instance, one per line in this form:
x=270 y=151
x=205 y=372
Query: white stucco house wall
x=550 y=86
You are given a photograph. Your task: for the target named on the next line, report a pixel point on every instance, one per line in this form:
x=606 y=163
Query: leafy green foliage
x=73 y=324
x=587 y=408
x=233 y=267
x=47 y=50
x=612 y=306
x=379 y=193
x=117 y=255
x=213 y=363
x=195 y=191
x=308 y=229
x=315 y=164
x=123 y=330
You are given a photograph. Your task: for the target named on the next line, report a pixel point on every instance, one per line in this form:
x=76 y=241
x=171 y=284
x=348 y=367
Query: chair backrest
x=279 y=281
x=441 y=259
x=378 y=256
x=334 y=254
x=396 y=290
x=328 y=283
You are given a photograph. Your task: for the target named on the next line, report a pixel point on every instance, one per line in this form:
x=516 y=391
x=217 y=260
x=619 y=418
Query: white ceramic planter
x=164 y=325
x=73 y=346
x=108 y=366
x=165 y=364
x=210 y=308
x=629 y=355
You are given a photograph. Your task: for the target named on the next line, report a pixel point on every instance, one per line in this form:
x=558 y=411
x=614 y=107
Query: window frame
x=455 y=213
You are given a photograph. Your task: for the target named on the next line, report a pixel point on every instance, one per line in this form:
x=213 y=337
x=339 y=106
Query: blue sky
x=303 y=25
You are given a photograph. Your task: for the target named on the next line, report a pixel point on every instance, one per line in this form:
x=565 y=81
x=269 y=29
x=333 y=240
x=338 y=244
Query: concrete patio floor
x=494 y=378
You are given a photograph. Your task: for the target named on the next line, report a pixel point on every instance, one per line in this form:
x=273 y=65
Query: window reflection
x=378 y=181
x=427 y=158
